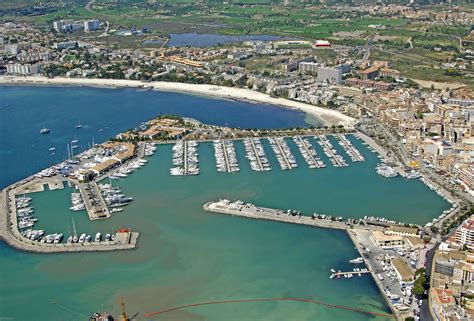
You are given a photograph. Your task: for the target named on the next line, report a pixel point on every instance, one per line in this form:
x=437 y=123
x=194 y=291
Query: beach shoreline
x=327 y=116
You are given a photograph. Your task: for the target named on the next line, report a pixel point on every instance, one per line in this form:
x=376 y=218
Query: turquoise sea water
x=186 y=255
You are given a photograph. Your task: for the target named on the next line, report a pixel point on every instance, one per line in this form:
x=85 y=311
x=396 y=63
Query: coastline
x=327 y=116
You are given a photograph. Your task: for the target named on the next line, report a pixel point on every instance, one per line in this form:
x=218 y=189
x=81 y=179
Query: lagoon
x=209 y=40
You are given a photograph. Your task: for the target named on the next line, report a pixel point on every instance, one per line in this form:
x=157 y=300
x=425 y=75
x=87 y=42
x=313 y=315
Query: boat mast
x=74 y=227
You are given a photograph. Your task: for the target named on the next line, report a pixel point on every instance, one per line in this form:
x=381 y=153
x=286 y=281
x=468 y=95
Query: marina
x=336 y=159
x=309 y=153
x=176 y=238
x=22 y=234
x=283 y=153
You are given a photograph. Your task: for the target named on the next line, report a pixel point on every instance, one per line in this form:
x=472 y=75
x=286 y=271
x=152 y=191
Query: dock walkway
x=350 y=150
x=332 y=155
x=257 y=156
x=351 y=273
x=282 y=153
x=93 y=201
x=308 y=151
x=226 y=156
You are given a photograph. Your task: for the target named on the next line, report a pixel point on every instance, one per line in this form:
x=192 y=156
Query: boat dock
x=256 y=154
x=185 y=158
x=226 y=157
x=93 y=201
x=351 y=273
x=351 y=150
x=308 y=152
x=263 y=213
x=282 y=153
x=328 y=149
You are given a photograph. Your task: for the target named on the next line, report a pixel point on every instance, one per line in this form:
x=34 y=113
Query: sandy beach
x=328 y=116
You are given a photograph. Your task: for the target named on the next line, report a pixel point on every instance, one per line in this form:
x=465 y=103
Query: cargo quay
x=376 y=241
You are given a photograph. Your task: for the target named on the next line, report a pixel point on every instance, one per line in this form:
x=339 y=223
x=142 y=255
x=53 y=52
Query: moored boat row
x=308 y=152
x=336 y=159
x=256 y=155
x=185 y=158
x=351 y=150
x=226 y=157
x=282 y=151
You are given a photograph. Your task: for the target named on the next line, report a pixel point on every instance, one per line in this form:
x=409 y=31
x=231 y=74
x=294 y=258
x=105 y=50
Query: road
x=89 y=6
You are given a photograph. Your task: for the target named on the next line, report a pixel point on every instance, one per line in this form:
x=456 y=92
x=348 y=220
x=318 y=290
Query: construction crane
x=168 y=38
x=123 y=316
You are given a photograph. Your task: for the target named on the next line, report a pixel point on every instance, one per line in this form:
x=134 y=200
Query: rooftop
x=403 y=229
x=403 y=269
x=381 y=236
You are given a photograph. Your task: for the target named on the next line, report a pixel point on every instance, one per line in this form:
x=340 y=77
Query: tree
x=419 y=285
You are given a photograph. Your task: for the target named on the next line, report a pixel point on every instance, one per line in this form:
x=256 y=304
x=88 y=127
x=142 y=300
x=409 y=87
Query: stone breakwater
x=262 y=213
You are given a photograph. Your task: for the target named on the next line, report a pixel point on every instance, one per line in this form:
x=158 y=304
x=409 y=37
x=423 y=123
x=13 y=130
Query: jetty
x=280 y=152
x=308 y=152
x=93 y=201
x=251 y=211
x=328 y=149
x=351 y=150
